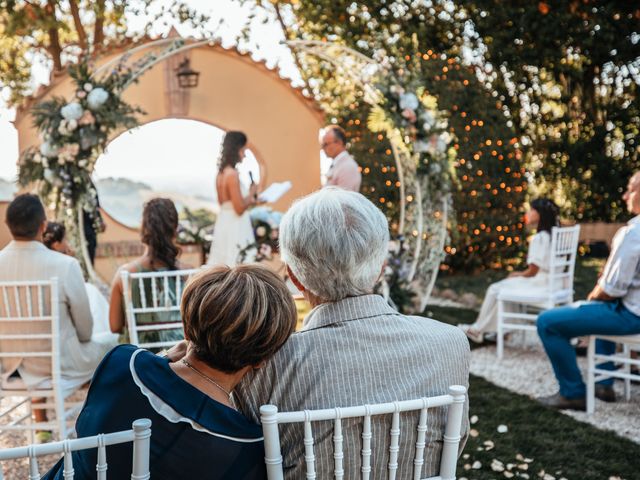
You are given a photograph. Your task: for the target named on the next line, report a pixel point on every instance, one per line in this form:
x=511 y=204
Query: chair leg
x=591 y=382
x=626 y=350
x=500 y=332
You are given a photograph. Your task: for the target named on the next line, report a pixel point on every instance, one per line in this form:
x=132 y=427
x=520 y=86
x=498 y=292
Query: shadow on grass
x=557 y=444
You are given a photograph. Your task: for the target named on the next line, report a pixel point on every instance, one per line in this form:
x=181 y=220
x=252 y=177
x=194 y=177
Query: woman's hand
x=178 y=351
x=253 y=194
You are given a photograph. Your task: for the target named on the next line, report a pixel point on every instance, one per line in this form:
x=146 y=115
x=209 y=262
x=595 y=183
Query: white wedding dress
x=232 y=233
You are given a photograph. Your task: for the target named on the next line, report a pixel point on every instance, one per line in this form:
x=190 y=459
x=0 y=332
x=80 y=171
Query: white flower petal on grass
x=489 y=445
x=508 y=474
x=510 y=466
x=519 y=457
x=476 y=465
x=467 y=466
x=473 y=433
x=503 y=429
x=473 y=420
x=465 y=456
x=497 y=465
x=548 y=476
x=523 y=466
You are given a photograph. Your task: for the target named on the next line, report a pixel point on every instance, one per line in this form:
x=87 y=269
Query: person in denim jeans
x=612 y=308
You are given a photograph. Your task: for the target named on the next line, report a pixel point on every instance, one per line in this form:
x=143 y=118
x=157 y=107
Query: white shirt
x=344 y=173
x=621 y=275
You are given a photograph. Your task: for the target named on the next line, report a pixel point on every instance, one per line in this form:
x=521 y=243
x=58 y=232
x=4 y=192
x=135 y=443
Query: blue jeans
x=558 y=326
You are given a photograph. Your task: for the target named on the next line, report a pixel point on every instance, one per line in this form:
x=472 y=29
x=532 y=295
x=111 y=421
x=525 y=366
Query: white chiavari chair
x=30 y=332
x=519 y=309
x=140 y=435
x=159 y=295
x=271 y=419
x=595 y=374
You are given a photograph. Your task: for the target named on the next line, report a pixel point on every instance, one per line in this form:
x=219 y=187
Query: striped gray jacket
x=353 y=352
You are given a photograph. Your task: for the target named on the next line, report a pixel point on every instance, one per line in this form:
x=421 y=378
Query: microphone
x=255 y=197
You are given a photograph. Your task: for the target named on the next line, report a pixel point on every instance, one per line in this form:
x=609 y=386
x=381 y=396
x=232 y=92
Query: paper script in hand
x=274 y=191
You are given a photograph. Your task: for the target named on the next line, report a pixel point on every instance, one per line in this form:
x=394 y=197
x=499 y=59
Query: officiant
x=344 y=171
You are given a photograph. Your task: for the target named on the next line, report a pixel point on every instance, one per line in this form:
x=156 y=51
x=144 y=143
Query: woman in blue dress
x=234 y=320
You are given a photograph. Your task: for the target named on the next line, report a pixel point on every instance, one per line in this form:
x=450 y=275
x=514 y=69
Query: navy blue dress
x=230 y=448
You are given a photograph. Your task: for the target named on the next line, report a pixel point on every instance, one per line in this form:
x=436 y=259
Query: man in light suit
x=26 y=258
x=344 y=171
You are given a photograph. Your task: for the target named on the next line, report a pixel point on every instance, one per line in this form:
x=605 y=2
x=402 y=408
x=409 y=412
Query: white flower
x=502 y=429
x=72 y=111
x=87 y=87
x=48 y=175
x=72 y=125
x=261 y=231
x=409 y=100
x=96 y=98
x=82 y=163
x=428 y=119
x=48 y=150
x=61 y=160
x=45 y=162
x=37 y=158
x=420 y=146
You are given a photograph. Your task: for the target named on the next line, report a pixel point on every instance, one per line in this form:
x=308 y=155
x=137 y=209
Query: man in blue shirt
x=612 y=308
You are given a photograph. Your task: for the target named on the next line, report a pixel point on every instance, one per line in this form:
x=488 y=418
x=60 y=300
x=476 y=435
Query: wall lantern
x=187 y=78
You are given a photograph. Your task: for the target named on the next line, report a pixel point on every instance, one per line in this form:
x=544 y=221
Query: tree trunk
x=54 y=39
x=98 y=34
x=82 y=34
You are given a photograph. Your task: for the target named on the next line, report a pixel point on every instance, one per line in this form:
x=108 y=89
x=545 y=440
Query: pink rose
x=409 y=115
x=87 y=118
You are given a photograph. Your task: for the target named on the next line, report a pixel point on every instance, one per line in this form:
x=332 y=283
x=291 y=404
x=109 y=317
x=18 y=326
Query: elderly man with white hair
x=353 y=348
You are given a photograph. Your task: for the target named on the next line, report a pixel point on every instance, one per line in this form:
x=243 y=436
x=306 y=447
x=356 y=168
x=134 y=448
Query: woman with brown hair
x=158 y=232
x=233 y=231
x=235 y=319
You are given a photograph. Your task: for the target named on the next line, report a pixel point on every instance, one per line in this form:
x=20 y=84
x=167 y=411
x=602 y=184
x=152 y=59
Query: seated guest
x=27 y=259
x=353 y=348
x=612 y=308
x=542 y=216
x=55 y=238
x=158 y=231
x=235 y=319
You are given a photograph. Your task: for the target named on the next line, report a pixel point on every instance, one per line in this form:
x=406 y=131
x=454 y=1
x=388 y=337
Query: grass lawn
x=557 y=444
x=554 y=444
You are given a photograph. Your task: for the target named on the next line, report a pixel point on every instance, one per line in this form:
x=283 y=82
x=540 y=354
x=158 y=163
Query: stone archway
x=234 y=93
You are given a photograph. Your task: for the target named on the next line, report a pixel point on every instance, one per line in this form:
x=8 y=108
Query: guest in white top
x=543 y=215
x=344 y=171
x=26 y=258
x=612 y=308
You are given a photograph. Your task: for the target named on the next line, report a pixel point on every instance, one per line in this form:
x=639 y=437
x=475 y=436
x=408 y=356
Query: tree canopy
x=55 y=33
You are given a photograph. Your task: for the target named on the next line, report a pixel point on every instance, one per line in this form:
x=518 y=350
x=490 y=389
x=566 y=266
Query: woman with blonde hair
x=235 y=319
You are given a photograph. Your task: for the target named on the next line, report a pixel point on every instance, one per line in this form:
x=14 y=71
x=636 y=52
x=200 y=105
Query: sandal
x=473 y=335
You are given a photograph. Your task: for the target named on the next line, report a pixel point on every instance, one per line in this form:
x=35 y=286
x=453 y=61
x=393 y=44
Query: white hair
x=335 y=243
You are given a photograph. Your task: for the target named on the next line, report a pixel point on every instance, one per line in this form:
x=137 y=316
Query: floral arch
x=65 y=127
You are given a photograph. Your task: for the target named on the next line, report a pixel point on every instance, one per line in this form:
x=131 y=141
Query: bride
x=233 y=231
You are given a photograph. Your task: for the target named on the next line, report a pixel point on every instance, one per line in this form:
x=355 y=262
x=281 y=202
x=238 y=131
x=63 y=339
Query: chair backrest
x=153 y=320
x=270 y=419
x=140 y=435
x=29 y=325
x=564 y=249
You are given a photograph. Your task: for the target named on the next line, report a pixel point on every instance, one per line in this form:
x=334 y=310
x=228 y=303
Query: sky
x=153 y=146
